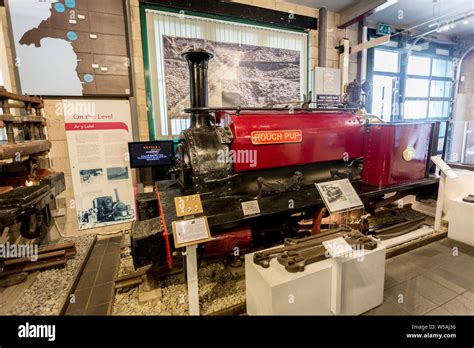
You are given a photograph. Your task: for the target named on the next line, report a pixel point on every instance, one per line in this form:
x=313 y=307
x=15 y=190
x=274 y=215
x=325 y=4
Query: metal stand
x=336 y=286
x=192 y=279
x=440 y=202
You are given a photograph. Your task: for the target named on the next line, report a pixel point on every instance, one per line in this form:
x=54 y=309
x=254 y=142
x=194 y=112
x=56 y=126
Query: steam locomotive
x=276 y=155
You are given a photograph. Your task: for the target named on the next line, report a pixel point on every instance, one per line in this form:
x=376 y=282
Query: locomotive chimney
x=116 y=195
x=198 y=60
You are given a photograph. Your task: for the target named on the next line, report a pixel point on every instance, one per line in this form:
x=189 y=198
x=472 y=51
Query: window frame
x=431 y=78
x=371 y=63
x=148 y=64
x=403 y=75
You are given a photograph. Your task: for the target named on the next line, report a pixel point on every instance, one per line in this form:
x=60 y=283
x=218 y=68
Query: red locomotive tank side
x=280 y=139
x=396 y=153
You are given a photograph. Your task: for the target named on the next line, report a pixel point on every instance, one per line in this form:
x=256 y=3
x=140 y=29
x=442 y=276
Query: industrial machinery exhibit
x=291 y=158
x=293 y=151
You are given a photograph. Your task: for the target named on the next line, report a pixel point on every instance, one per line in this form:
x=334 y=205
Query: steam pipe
x=322 y=36
x=198 y=60
x=363 y=53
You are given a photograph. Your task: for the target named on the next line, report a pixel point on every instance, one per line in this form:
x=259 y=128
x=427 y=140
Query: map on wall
x=70 y=47
x=239 y=75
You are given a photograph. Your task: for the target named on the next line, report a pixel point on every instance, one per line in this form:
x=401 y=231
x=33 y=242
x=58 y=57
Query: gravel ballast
x=48 y=292
x=219 y=288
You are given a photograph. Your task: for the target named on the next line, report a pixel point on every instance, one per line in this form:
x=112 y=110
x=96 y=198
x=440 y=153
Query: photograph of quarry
x=240 y=75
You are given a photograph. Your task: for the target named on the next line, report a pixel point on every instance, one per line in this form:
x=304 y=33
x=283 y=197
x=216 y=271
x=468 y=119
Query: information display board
x=339 y=195
x=190 y=232
x=98 y=133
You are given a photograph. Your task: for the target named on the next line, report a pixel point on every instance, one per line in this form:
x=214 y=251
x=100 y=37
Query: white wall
x=458 y=188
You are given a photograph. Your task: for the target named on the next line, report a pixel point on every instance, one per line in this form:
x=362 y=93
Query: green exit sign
x=383 y=29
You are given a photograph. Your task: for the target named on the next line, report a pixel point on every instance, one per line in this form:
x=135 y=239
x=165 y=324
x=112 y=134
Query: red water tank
x=280 y=139
x=395 y=153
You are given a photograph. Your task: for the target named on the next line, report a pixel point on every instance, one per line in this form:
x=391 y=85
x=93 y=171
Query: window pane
x=385 y=61
x=416 y=108
x=440 y=146
x=450 y=69
x=442 y=68
x=440 y=89
x=439 y=108
x=439 y=67
x=442 y=129
x=417 y=88
x=419 y=66
x=382 y=96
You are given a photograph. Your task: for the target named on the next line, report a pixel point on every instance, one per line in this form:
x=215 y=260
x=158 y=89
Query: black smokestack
x=198 y=60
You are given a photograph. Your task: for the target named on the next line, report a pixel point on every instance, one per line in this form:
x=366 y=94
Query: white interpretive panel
x=193 y=231
x=339 y=195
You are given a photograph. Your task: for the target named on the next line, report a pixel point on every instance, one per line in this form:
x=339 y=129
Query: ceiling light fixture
x=466 y=21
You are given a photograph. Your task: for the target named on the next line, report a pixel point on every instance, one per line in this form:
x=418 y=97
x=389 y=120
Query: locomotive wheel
x=36 y=225
x=26 y=229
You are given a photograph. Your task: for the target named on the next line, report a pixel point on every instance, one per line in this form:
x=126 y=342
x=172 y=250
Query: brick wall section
x=139 y=70
x=6 y=32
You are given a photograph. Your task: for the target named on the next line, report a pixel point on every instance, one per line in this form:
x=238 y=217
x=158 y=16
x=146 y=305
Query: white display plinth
x=363 y=282
x=461 y=221
x=273 y=290
x=316 y=290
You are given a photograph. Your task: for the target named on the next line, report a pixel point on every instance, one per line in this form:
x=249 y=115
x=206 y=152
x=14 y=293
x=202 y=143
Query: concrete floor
x=437 y=279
